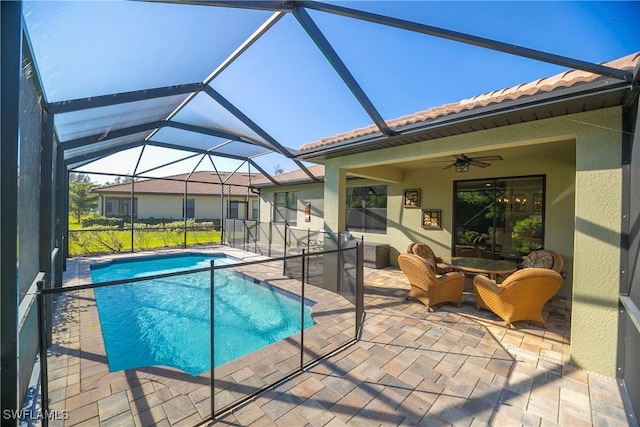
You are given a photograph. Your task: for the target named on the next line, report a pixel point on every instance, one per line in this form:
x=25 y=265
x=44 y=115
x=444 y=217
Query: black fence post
x=42 y=335
x=270 y=237
x=359 y=287
x=339 y=262
x=212 y=356
x=302 y=312
x=245 y=235
x=132 y=199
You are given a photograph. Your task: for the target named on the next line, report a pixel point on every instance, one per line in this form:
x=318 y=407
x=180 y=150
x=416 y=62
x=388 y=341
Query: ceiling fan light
x=462 y=167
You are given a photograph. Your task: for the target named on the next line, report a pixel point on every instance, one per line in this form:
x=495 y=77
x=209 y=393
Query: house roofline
x=538 y=103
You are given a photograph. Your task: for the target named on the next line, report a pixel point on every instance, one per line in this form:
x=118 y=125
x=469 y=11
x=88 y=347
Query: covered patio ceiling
x=249 y=81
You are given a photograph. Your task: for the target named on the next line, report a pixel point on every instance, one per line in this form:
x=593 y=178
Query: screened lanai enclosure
x=148 y=90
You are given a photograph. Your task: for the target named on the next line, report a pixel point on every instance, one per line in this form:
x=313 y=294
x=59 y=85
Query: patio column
x=334 y=222
x=598 y=200
x=335 y=183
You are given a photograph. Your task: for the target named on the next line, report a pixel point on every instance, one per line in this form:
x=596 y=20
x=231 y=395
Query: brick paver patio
x=452 y=366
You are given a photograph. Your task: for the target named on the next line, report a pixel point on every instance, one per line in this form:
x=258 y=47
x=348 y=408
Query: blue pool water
x=167 y=321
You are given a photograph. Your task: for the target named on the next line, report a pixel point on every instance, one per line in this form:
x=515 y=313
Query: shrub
x=143 y=235
x=109 y=239
x=93 y=220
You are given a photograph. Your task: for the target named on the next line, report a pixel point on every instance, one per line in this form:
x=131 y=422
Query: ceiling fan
x=463 y=162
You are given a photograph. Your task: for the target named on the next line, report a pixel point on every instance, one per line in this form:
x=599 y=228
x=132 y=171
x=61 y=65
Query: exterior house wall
x=436 y=185
x=169 y=206
x=313 y=193
x=593 y=258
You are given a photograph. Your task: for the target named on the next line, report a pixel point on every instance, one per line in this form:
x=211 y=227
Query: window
x=233 y=209
x=255 y=213
x=499 y=218
x=191 y=208
x=367 y=209
x=285 y=207
x=120 y=206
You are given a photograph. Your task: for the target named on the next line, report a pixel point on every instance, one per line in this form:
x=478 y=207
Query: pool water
x=167 y=322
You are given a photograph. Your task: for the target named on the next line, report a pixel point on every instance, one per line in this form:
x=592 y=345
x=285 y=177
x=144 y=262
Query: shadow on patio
x=452 y=366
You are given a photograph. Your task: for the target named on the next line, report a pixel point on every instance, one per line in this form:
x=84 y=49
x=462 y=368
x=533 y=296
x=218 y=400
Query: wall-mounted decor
x=411 y=199
x=307 y=212
x=537 y=202
x=431 y=218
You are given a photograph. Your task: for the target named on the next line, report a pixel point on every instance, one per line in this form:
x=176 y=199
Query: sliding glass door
x=499 y=218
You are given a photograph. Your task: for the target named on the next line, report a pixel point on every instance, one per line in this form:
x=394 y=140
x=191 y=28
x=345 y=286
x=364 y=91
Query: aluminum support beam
x=275 y=145
x=195 y=150
x=84 y=158
x=211 y=132
x=46 y=210
x=471 y=40
x=61 y=210
x=263 y=172
x=284 y=6
x=305 y=170
x=11 y=59
x=168 y=164
x=108 y=135
x=46 y=189
x=122 y=98
x=334 y=59
x=245 y=45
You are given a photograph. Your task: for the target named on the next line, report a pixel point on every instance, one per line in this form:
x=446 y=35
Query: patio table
x=491 y=267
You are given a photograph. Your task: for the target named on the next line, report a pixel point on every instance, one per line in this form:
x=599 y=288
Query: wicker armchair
x=544 y=258
x=423 y=250
x=426 y=286
x=521 y=296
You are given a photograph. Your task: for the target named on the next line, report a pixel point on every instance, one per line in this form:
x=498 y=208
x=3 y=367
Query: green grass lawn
x=73 y=223
x=87 y=242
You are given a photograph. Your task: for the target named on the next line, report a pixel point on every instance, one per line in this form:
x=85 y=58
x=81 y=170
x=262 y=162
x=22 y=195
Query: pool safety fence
x=277 y=238
x=75 y=361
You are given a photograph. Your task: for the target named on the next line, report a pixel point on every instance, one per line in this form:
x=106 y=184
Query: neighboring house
x=559 y=183
x=165 y=198
x=295 y=192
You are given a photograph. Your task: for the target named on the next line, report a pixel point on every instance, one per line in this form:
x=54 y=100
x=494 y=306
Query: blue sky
x=285 y=84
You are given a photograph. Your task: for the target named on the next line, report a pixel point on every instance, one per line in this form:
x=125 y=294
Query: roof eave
x=530 y=104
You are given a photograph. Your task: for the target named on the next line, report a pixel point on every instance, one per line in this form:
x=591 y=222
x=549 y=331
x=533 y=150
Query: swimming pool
x=167 y=321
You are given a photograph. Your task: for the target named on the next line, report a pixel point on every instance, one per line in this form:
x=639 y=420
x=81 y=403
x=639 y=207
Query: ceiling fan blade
x=487 y=158
x=450 y=166
x=479 y=164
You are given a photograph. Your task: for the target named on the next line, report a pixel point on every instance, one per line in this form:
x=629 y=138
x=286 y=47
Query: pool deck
x=452 y=366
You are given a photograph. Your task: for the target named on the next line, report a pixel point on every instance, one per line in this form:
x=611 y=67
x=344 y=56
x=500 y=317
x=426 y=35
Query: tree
x=78 y=177
x=277 y=170
x=81 y=199
x=123 y=180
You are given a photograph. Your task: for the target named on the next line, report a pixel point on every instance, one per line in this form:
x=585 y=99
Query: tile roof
x=176 y=185
x=563 y=80
x=291 y=177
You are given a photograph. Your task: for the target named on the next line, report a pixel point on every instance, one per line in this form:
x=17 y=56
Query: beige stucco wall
x=591 y=252
x=170 y=206
x=313 y=193
x=436 y=185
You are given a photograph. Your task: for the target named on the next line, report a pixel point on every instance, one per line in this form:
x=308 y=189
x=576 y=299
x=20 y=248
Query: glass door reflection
x=499 y=218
